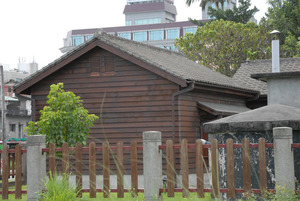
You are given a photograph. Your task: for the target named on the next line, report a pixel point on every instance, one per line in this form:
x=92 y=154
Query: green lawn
x=85 y=197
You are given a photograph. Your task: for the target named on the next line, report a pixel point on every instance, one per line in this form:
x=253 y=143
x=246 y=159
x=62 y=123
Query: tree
x=64 y=119
x=241 y=14
x=285 y=17
x=204 y=2
x=224 y=45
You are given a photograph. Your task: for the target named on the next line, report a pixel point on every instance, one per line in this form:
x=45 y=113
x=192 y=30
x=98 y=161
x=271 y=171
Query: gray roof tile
x=263 y=66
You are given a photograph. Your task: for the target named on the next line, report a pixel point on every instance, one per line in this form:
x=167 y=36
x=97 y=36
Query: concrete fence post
x=284 y=157
x=36 y=165
x=152 y=160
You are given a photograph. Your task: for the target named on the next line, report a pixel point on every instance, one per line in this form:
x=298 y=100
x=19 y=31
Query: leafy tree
x=64 y=119
x=204 y=2
x=241 y=14
x=224 y=45
x=285 y=17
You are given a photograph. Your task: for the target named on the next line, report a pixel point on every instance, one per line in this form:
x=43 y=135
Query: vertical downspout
x=189 y=88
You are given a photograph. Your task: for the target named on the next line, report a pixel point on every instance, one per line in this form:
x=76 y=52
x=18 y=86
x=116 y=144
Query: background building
x=227 y=5
x=150 y=22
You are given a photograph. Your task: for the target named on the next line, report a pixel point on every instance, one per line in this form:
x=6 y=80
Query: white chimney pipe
x=275 y=53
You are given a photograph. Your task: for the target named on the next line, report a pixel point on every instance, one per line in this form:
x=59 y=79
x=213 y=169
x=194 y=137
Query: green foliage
x=285 y=17
x=240 y=14
x=64 y=119
x=224 y=45
x=57 y=189
x=204 y=2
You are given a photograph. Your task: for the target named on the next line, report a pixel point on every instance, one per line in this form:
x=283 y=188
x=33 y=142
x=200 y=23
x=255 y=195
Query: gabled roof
x=263 y=66
x=169 y=64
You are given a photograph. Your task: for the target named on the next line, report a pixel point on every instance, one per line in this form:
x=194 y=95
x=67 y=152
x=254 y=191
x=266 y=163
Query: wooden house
x=135 y=87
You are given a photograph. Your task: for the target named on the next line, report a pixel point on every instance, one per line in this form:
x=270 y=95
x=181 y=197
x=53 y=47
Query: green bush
x=57 y=189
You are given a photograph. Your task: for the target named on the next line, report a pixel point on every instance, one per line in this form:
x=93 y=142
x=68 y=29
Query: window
x=87 y=37
x=213 y=5
x=190 y=30
x=140 y=36
x=225 y=4
x=12 y=127
x=172 y=33
x=20 y=131
x=77 y=40
x=126 y=35
x=147 y=21
x=157 y=35
x=128 y=23
x=108 y=63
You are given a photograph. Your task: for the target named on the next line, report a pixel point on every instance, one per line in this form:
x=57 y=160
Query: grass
x=127 y=196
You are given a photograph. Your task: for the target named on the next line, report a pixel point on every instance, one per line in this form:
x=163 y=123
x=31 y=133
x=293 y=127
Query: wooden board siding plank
x=92 y=169
x=5 y=172
x=230 y=168
x=65 y=159
x=134 y=168
x=52 y=167
x=262 y=165
x=18 y=180
x=106 y=169
x=120 y=170
x=184 y=168
x=78 y=168
x=170 y=168
x=246 y=166
x=200 y=169
x=214 y=168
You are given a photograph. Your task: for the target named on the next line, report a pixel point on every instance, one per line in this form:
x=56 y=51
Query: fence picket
x=65 y=159
x=246 y=166
x=52 y=159
x=184 y=168
x=78 y=169
x=5 y=172
x=18 y=180
x=170 y=168
x=106 y=160
x=214 y=168
x=120 y=170
x=230 y=168
x=92 y=169
x=199 y=168
x=134 y=169
x=262 y=164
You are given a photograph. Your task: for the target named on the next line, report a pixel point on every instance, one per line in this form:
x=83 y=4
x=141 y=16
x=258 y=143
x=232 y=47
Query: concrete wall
x=284 y=91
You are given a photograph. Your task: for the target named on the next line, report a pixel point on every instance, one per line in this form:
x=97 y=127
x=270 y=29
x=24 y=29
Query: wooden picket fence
x=11 y=167
x=117 y=153
x=106 y=158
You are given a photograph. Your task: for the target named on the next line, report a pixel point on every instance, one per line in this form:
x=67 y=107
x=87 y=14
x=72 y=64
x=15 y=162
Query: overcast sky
x=36 y=28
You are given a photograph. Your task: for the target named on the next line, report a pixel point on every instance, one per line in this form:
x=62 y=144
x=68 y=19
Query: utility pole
x=3 y=108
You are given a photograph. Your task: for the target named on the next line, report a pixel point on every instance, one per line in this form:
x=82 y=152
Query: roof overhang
x=221 y=109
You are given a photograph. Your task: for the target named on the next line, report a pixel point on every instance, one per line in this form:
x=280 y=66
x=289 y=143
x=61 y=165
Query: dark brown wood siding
x=128 y=98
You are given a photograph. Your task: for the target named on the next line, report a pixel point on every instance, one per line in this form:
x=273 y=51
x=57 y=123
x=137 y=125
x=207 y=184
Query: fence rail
x=114 y=155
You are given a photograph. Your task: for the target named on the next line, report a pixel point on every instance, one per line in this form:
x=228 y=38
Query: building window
x=20 y=131
x=213 y=5
x=140 y=36
x=190 y=30
x=108 y=63
x=225 y=4
x=147 y=21
x=172 y=33
x=157 y=35
x=88 y=37
x=12 y=127
x=77 y=40
x=126 y=35
x=128 y=23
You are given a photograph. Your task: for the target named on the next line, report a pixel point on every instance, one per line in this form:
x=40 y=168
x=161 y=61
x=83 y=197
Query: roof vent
x=275 y=52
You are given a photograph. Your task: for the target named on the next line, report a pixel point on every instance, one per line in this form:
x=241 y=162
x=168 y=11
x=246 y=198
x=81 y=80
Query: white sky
x=36 y=28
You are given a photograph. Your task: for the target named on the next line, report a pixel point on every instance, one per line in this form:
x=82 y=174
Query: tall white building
x=227 y=5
